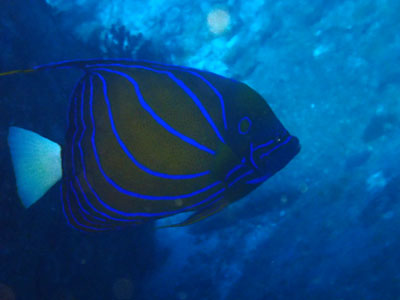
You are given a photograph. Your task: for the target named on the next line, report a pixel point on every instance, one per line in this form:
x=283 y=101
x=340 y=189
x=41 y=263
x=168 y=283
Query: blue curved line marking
x=127 y=192
x=221 y=99
x=63 y=63
x=73 y=138
x=63 y=205
x=165 y=66
x=84 y=171
x=75 y=108
x=83 y=164
x=73 y=147
x=264 y=145
x=179 y=82
x=105 y=226
x=252 y=156
x=151 y=111
x=74 y=101
x=76 y=221
x=204 y=208
x=211 y=203
x=115 y=210
x=241 y=177
x=87 y=201
x=234 y=169
x=80 y=205
x=214 y=89
x=156 y=64
x=193 y=205
x=276 y=147
x=241 y=120
x=259 y=179
x=71 y=98
x=59 y=64
x=65 y=202
x=129 y=154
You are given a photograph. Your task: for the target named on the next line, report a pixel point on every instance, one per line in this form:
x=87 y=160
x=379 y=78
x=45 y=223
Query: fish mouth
x=273 y=156
x=264 y=161
x=277 y=157
x=282 y=142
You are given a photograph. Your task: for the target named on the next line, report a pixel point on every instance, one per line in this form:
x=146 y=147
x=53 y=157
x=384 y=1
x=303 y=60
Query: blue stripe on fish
x=108 y=207
x=76 y=220
x=83 y=163
x=131 y=193
x=241 y=177
x=252 y=156
x=180 y=83
x=83 y=211
x=182 y=69
x=71 y=186
x=259 y=179
x=165 y=213
x=240 y=122
x=74 y=103
x=217 y=93
x=161 y=122
x=64 y=197
x=153 y=114
x=264 y=145
x=73 y=144
x=86 y=201
x=236 y=168
x=276 y=147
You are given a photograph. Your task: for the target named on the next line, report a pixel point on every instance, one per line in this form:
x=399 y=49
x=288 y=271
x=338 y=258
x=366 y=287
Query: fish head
x=258 y=137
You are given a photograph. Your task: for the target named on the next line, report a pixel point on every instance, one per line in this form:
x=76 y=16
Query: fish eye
x=244 y=125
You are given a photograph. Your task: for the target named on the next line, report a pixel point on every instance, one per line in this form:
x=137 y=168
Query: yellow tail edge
x=17 y=71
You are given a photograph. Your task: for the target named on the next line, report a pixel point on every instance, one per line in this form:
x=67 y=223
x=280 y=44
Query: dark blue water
x=325 y=227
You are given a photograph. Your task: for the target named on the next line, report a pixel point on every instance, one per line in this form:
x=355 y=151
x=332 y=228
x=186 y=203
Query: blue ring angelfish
x=148 y=140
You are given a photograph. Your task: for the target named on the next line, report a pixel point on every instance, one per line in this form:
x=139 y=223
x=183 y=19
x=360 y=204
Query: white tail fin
x=36 y=161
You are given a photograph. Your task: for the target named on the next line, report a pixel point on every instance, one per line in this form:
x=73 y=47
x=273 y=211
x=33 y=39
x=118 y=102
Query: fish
x=147 y=141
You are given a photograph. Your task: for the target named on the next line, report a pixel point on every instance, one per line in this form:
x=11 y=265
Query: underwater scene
x=199 y=150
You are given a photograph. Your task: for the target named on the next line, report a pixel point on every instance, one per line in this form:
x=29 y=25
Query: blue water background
x=326 y=227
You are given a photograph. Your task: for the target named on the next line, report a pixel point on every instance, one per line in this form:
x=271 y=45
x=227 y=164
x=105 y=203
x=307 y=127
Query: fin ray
x=36 y=161
x=199 y=215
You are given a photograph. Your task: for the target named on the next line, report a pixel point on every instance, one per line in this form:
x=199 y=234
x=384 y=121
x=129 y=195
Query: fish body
x=147 y=141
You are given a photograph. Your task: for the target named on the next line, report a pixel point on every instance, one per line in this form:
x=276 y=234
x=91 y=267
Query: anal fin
x=201 y=214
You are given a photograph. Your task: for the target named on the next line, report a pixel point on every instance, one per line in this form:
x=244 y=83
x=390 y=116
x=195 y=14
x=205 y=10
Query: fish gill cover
x=326 y=227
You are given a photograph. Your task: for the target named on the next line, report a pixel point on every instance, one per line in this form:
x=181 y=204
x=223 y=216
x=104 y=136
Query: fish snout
x=279 y=155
